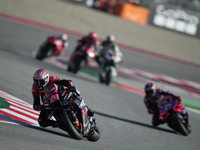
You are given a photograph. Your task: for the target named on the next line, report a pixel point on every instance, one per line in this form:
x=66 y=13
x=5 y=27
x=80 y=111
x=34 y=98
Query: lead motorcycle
x=107 y=66
x=53 y=47
x=71 y=113
x=80 y=58
x=174 y=114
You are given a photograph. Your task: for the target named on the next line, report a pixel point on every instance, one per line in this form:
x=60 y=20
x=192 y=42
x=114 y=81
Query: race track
x=121 y=115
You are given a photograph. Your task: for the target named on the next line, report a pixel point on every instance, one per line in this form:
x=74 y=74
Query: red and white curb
x=163 y=78
x=19 y=112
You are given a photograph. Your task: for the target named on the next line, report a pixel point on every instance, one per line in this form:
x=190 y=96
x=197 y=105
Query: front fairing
x=86 y=121
x=56 y=44
x=165 y=107
x=168 y=106
x=84 y=114
x=60 y=98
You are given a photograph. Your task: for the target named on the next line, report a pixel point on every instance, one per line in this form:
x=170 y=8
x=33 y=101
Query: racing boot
x=55 y=124
x=157 y=122
x=47 y=123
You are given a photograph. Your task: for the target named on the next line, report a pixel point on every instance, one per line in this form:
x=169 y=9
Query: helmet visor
x=91 y=39
x=39 y=83
x=108 y=43
x=149 y=92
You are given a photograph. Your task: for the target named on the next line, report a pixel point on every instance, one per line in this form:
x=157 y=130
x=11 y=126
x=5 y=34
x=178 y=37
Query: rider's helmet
x=64 y=37
x=92 y=35
x=150 y=89
x=41 y=78
x=110 y=39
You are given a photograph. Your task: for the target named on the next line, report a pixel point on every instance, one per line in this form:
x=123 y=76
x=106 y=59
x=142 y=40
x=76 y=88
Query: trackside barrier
x=132 y=12
x=127 y=10
x=161 y=14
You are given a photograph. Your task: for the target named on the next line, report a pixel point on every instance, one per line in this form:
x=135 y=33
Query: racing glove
x=151 y=111
x=72 y=89
x=178 y=98
x=37 y=107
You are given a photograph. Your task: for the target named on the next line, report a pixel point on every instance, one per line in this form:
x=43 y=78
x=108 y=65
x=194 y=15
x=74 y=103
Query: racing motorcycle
x=80 y=58
x=174 y=114
x=70 y=112
x=53 y=47
x=107 y=66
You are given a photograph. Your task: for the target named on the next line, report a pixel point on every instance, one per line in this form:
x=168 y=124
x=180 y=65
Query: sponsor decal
x=3 y=103
x=84 y=111
x=176 y=19
x=46 y=104
x=53 y=98
x=72 y=101
x=64 y=93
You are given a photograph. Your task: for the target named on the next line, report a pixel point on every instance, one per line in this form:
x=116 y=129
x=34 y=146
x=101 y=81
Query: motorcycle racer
x=90 y=39
x=152 y=94
x=41 y=79
x=63 y=37
x=109 y=44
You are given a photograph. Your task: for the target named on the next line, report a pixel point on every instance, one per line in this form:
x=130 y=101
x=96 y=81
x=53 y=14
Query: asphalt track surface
x=121 y=115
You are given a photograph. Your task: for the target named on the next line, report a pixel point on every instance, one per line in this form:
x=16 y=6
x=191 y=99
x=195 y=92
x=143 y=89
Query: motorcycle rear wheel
x=69 y=68
x=101 y=80
x=108 y=77
x=95 y=136
x=77 y=65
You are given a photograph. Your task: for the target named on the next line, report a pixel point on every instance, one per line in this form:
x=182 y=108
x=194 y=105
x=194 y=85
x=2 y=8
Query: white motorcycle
x=107 y=68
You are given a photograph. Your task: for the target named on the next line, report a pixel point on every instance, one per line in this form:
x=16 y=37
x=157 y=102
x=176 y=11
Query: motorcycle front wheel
x=179 y=125
x=67 y=124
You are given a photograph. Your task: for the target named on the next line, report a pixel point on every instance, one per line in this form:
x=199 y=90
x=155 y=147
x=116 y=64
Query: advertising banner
x=131 y=12
x=175 y=18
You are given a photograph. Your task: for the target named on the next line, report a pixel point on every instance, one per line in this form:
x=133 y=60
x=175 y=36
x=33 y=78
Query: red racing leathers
x=36 y=92
x=60 y=44
x=87 y=41
x=151 y=104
